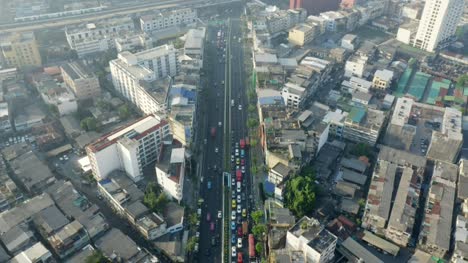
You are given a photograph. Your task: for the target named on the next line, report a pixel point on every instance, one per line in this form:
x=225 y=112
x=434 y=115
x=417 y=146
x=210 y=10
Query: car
x=237 y=161
x=242 y=153
x=239 y=199
x=199 y=211
x=216 y=150
x=208 y=217
x=233 y=240
x=220 y=214
x=243 y=169
x=240 y=107
x=208 y=185
x=220 y=124
x=213 y=241
x=237 y=152
x=212 y=226
x=233 y=251
x=233 y=203
x=242 y=161
x=244 y=212
x=233 y=193
x=233 y=225
x=233 y=215
x=239 y=209
x=232 y=158
x=233 y=181
x=239 y=232
x=197 y=234
x=238 y=187
x=239 y=242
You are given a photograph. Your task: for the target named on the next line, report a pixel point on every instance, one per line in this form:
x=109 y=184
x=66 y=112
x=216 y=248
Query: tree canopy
x=362 y=149
x=88 y=124
x=301 y=193
x=259 y=230
x=96 y=257
x=257 y=216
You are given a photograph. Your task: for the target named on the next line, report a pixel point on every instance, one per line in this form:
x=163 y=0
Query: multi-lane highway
x=212 y=157
x=226 y=103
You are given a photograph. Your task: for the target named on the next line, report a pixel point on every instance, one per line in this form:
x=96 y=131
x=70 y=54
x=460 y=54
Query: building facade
x=130 y=148
x=170 y=169
x=83 y=83
x=438 y=24
x=19 y=49
x=167 y=19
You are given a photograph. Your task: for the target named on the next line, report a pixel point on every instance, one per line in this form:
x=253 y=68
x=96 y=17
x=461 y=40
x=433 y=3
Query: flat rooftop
x=133 y=131
x=171 y=159
x=76 y=70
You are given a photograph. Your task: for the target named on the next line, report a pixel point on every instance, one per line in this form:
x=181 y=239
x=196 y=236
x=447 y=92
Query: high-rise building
x=438 y=23
x=294 y=4
x=135 y=75
x=129 y=148
x=19 y=49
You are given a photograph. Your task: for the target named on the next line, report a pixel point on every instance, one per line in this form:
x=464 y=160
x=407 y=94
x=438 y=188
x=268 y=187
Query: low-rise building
x=83 y=83
x=129 y=148
x=293 y=95
x=170 y=168
x=279 y=173
x=89 y=38
x=382 y=79
x=363 y=125
x=349 y=41
x=356 y=84
x=119 y=247
x=36 y=253
x=407 y=32
x=56 y=94
x=5 y=124
x=436 y=230
x=167 y=18
x=309 y=236
x=133 y=42
x=302 y=34
x=360 y=98
x=355 y=66
x=69 y=239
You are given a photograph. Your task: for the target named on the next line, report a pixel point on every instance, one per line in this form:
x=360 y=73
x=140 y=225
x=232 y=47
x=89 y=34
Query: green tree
x=252 y=108
x=96 y=257
x=259 y=231
x=161 y=202
x=259 y=248
x=301 y=194
x=362 y=149
x=462 y=81
x=252 y=123
x=150 y=199
x=362 y=202
x=88 y=124
x=53 y=109
x=124 y=112
x=257 y=216
x=193 y=219
x=103 y=105
x=192 y=242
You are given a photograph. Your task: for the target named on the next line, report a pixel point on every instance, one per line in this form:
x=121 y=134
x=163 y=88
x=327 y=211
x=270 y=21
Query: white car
x=238 y=187
x=216 y=150
x=233 y=251
x=197 y=234
x=239 y=209
x=233 y=215
x=220 y=214
x=239 y=242
x=239 y=199
x=220 y=124
x=237 y=152
x=240 y=107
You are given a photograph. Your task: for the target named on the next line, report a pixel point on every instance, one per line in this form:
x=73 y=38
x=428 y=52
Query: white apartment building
x=129 y=148
x=438 y=23
x=293 y=95
x=167 y=19
x=99 y=36
x=356 y=84
x=281 y=20
x=308 y=236
x=170 y=168
x=355 y=66
x=132 y=42
x=56 y=94
x=134 y=76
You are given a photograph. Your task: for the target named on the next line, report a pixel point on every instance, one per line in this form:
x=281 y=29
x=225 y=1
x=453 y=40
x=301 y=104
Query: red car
x=239 y=231
x=208 y=217
x=242 y=161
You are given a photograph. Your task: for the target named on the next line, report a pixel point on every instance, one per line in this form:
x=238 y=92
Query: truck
x=245 y=228
x=239 y=175
x=242 y=143
x=251 y=246
x=213 y=132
